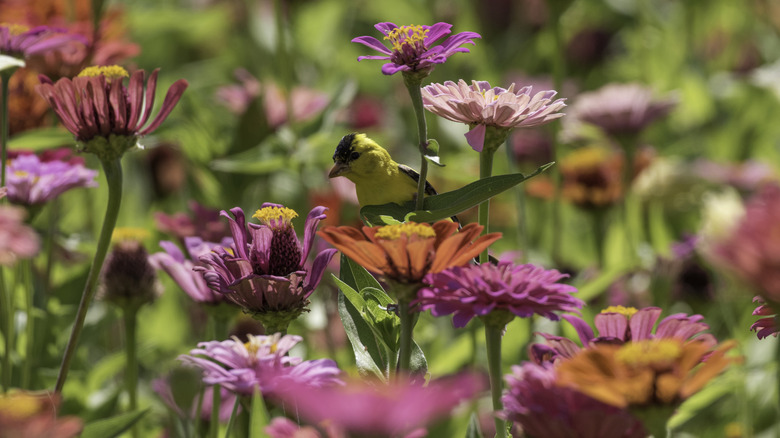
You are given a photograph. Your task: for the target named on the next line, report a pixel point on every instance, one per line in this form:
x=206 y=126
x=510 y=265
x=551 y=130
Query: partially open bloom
x=97 y=106
x=618 y=325
x=33 y=415
x=407 y=252
x=263 y=272
x=17 y=240
x=490 y=112
x=20 y=41
x=535 y=401
x=393 y=410
x=620 y=109
x=519 y=290
x=768 y=325
x=414 y=49
x=32 y=181
x=181 y=268
x=262 y=363
x=646 y=372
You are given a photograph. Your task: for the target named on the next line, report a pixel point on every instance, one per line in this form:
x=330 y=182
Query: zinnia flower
x=365 y=409
x=17 y=240
x=31 y=181
x=262 y=363
x=592 y=177
x=21 y=42
x=618 y=325
x=200 y=221
x=263 y=272
x=414 y=49
x=181 y=268
x=767 y=326
x=405 y=253
x=519 y=290
x=33 y=415
x=105 y=116
x=535 y=401
x=483 y=107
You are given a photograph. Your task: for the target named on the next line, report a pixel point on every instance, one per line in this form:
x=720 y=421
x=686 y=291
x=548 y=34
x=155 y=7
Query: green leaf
x=240 y=163
x=473 y=430
x=445 y=205
x=432 y=153
x=114 y=426
x=368 y=357
x=259 y=417
x=40 y=139
x=598 y=285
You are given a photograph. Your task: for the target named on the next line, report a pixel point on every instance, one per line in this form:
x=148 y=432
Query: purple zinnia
x=180 y=268
x=496 y=108
x=31 y=181
x=536 y=402
x=21 y=42
x=262 y=363
x=767 y=326
x=414 y=49
x=520 y=290
x=618 y=325
x=263 y=272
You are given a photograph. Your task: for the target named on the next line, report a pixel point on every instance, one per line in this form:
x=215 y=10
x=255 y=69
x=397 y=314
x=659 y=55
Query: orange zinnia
x=407 y=252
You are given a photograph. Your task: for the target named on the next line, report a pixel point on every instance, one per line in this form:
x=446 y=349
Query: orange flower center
x=649 y=352
x=628 y=312
x=409 y=229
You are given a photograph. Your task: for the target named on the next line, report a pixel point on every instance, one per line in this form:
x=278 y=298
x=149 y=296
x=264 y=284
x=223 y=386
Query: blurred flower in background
x=128 y=279
x=17 y=240
x=592 y=177
x=34 y=415
x=768 y=325
x=33 y=181
x=200 y=221
x=21 y=41
x=181 y=268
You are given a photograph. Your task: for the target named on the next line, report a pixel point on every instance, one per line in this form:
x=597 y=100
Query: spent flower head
x=491 y=112
x=33 y=181
x=415 y=49
x=128 y=277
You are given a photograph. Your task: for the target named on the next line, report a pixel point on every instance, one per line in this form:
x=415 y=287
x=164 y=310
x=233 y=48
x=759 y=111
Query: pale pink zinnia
x=32 y=181
x=17 y=240
x=481 y=106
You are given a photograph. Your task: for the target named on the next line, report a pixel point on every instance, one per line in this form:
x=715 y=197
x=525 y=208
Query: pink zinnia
x=32 y=181
x=17 y=240
x=478 y=290
x=181 y=268
x=21 y=42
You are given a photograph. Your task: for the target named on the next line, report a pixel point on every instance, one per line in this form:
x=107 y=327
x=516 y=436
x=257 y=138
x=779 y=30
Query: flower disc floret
x=628 y=312
x=110 y=72
x=408 y=229
x=649 y=353
x=275 y=216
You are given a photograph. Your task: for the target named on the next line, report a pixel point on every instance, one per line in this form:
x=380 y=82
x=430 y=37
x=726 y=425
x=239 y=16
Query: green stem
x=483 y=214
x=233 y=415
x=130 y=315
x=216 y=401
x=26 y=276
x=405 y=343
x=599 y=234
x=5 y=76
x=113 y=171
x=493 y=343
x=413 y=85
x=8 y=327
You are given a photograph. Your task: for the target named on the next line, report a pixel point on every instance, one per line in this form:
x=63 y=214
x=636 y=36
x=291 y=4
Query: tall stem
x=413 y=85
x=485 y=171
x=5 y=76
x=8 y=327
x=26 y=277
x=130 y=314
x=113 y=171
x=493 y=343
x=405 y=343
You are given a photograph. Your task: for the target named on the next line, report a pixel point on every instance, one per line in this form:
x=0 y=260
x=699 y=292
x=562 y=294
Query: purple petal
x=171 y=99
x=642 y=323
x=373 y=43
x=476 y=137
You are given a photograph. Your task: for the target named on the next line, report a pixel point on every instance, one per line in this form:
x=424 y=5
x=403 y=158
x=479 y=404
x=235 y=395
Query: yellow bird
x=378 y=179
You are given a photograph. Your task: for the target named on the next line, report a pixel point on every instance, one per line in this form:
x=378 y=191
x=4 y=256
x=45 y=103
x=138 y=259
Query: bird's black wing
x=429 y=190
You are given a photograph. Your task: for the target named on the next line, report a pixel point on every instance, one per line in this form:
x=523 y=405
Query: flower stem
x=405 y=343
x=599 y=234
x=8 y=327
x=413 y=85
x=113 y=171
x=233 y=415
x=216 y=401
x=26 y=277
x=130 y=314
x=493 y=344
x=5 y=76
x=485 y=171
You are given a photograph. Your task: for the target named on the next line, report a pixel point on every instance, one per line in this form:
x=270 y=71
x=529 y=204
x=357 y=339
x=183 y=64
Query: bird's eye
x=354 y=155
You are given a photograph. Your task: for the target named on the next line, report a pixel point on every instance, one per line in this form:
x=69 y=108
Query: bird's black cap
x=344 y=148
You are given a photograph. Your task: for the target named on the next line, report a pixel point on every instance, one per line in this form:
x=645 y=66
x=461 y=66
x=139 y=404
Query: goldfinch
x=378 y=179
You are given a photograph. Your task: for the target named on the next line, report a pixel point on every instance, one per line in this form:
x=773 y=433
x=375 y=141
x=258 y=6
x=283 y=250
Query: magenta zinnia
x=21 y=42
x=181 y=268
x=520 y=290
x=415 y=49
x=31 y=181
x=490 y=112
x=102 y=113
x=263 y=272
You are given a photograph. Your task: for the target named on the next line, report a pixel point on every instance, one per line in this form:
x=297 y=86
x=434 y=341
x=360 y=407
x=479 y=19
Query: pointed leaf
x=114 y=426
x=473 y=430
x=259 y=417
x=368 y=358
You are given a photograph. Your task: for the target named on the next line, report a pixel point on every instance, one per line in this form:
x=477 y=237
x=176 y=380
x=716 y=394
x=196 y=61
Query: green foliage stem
x=493 y=344
x=413 y=83
x=130 y=315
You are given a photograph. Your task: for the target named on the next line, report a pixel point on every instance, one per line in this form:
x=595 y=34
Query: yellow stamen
x=123 y=234
x=649 y=352
x=255 y=342
x=15 y=29
x=407 y=35
x=393 y=232
x=628 y=312
x=21 y=173
x=110 y=72
x=267 y=214
x=18 y=405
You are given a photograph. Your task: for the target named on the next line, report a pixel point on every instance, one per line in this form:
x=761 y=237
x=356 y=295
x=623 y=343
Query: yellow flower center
x=110 y=72
x=15 y=29
x=407 y=36
x=254 y=344
x=628 y=312
x=268 y=214
x=18 y=406
x=21 y=173
x=586 y=157
x=124 y=234
x=393 y=232
x=649 y=352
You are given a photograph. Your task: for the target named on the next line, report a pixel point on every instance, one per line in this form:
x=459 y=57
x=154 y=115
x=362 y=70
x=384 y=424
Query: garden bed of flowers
x=218 y=219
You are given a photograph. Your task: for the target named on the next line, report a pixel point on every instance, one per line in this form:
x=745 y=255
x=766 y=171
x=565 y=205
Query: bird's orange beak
x=338 y=169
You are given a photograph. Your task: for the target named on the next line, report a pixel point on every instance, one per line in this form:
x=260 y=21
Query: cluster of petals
x=481 y=106
x=17 y=240
x=534 y=400
x=478 y=290
x=96 y=106
x=618 y=325
x=415 y=48
x=22 y=42
x=200 y=221
x=181 y=268
x=398 y=409
x=768 y=325
x=642 y=373
x=32 y=181
x=260 y=364
x=412 y=255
